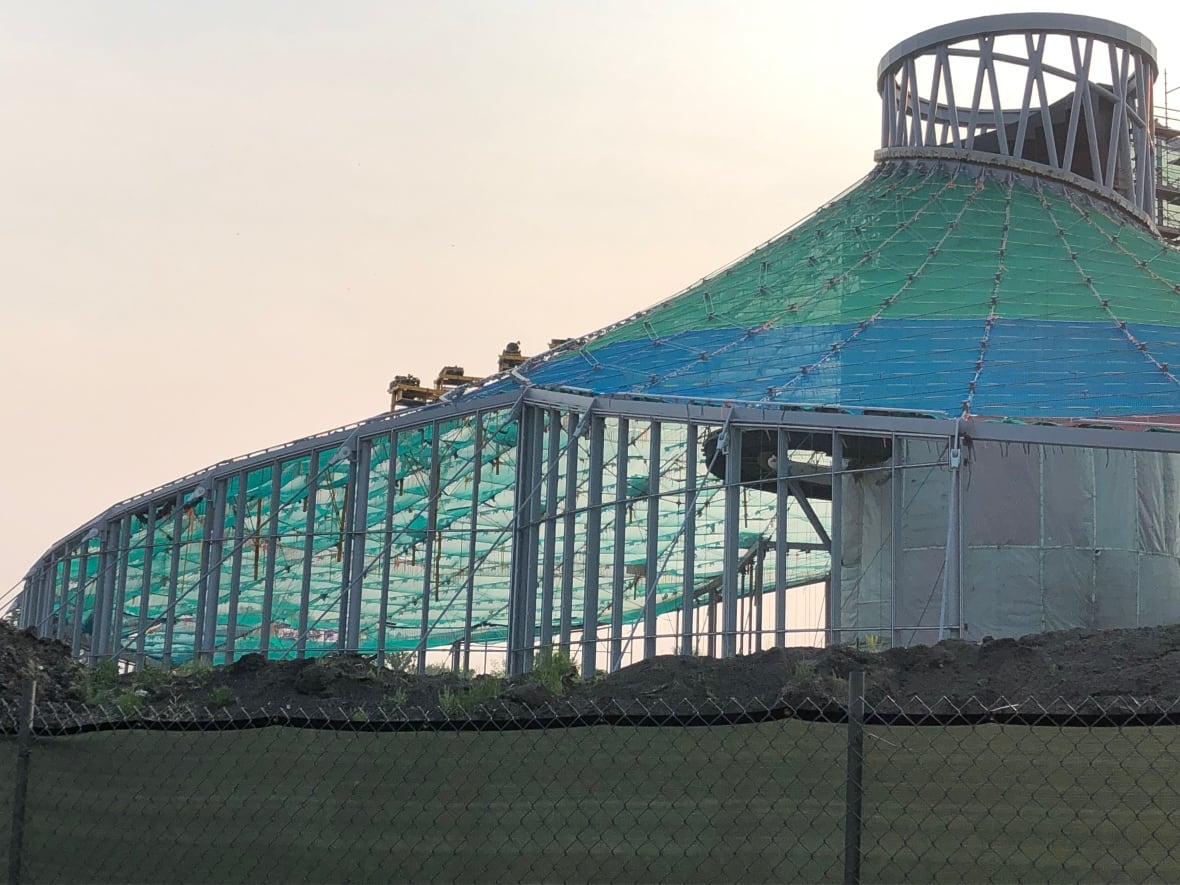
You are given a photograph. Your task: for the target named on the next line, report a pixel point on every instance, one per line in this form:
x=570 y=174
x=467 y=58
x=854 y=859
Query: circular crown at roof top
x=1069 y=93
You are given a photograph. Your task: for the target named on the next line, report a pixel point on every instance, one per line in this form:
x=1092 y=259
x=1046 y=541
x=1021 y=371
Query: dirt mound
x=59 y=676
x=1055 y=670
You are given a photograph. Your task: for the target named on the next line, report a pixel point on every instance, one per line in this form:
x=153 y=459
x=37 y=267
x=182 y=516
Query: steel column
x=568 y=534
x=688 y=582
x=593 y=535
x=145 y=592
x=549 y=553
x=950 y=570
x=60 y=628
x=835 y=600
x=173 y=577
x=347 y=520
x=729 y=577
x=619 y=567
x=311 y=490
x=272 y=551
x=652 y=564
x=781 y=550
x=358 y=530
x=204 y=559
x=528 y=623
x=124 y=560
x=80 y=599
x=235 y=569
x=431 y=540
x=472 y=542
x=386 y=551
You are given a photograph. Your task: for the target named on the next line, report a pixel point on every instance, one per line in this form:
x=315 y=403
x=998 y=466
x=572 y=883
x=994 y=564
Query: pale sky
x=226 y=225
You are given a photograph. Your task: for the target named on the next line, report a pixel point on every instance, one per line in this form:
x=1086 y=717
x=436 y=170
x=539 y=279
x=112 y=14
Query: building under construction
x=944 y=405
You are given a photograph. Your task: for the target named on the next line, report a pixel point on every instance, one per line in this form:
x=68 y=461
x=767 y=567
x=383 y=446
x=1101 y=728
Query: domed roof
x=940 y=287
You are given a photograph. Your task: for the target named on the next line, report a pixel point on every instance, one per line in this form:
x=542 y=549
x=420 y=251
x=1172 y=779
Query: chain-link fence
x=920 y=792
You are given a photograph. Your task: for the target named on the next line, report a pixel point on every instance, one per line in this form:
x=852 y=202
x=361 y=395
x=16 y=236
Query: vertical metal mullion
x=235 y=570
x=216 y=561
x=80 y=599
x=619 y=558
x=47 y=580
x=173 y=577
x=652 y=565
x=729 y=575
x=520 y=498
x=472 y=539
x=549 y=554
x=311 y=490
x=688 y=587
x=104 y=593
x=896 y=506
x=60 y=629
x=359 y=532
x=593 y=548
x=24 y=600
x=569 y=528
x=386 y=554
x=835 y=601
x=759 y=580
x=535 y=475
x=123 y=560
x=203 y=560
x=711 y=622
x=30 y=600
x=781 y=548
x=145 y=592
x=272 y=549
x=431 y=528
x=347 y=515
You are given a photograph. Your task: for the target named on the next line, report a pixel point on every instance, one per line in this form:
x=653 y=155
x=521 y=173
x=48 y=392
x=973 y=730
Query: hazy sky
x=225 y=225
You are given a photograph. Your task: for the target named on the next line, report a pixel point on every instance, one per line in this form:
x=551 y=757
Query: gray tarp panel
x=1159 y=590
x=1052 y=538
x=1001 y=592
x=998 y=489
x=1067 y=496
x=866 y=579
x=1117 y=576
x=1116 y=525
x=1159 y=503
x=924 y=495
x=1067 y=577
x=919 y=591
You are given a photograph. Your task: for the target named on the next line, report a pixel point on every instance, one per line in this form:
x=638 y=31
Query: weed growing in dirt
x=399 y=661
x=553 y=666
x=149 y=678
x=222 y=696
x=874 y=643
x=129 y=702
x=461 y=702
x=399 y=698
x=804 y=670
x=101 y=683
x=199 y=671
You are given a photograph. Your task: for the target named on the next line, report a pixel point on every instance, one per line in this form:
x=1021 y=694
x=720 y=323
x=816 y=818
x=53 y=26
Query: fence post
x=854 y=787
x=24 y=744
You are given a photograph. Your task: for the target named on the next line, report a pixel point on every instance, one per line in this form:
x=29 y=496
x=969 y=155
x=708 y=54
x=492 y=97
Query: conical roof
x=933 y=286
